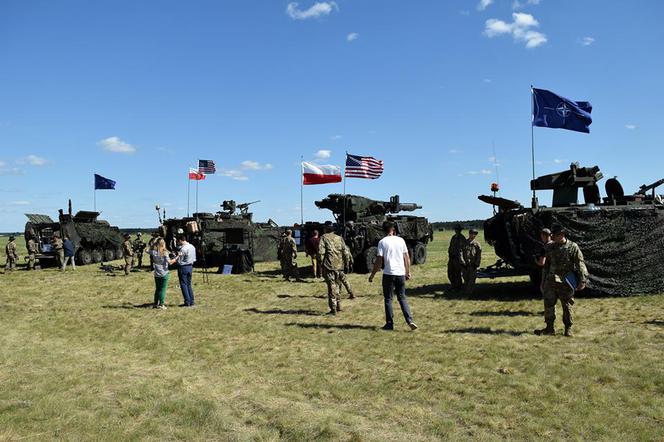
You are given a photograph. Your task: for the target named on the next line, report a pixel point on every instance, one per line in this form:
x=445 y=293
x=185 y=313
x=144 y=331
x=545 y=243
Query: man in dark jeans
x=393 y=253
x=185 y=260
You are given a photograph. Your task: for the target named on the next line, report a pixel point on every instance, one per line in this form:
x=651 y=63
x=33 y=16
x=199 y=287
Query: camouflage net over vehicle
x=99 y=235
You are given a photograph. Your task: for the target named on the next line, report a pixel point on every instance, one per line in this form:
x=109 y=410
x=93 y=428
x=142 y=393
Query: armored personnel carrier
x=229 y=237
x=621 y=236
x=359 y=221
x=95 y=240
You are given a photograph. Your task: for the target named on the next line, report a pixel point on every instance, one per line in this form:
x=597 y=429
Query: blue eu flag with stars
x=102 y=183
x=552 y=110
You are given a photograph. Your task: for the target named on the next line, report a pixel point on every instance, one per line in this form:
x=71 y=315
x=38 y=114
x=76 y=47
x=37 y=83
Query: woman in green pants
x=160 y=262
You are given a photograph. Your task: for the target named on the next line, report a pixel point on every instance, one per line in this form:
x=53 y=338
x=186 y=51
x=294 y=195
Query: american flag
x=363 y=167
x=206 y=166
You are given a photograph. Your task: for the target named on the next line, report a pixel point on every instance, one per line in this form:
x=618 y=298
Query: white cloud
x=323 y=154
x=255 y=165
x=518 y=4
x=236 y=175
x=2 y=164
x=455 y=151
x=14 y=171
x=33 y=160
x=487 y=80
x=483 y=4
x=352 y=36
x=558 y=161
x=630 y=126
x=587 y=41
x=116 y=145
x=479 y=172
x=520 y=29
x=19 y=203
x=318 y=9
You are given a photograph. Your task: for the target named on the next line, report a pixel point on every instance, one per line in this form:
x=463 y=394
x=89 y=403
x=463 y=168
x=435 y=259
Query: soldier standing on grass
x=139 y=247
x=288 y=256
x=32 y=253
x=128 y=252
x=454 y=252
x=472 y=257
x=564 y=273
x=59 y=249
x=334 y=258
x=12 y=256
x=312 y=250
x=348 y=268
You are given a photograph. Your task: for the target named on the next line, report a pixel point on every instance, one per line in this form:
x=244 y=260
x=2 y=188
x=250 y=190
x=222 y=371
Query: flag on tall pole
x=196 y=175
x=553 y=111
x=102 y=183
x=320 y=174
x=207 y=167
x=358 y=166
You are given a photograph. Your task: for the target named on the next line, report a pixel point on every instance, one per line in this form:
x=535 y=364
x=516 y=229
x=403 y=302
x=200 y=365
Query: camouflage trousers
x=289 y=268
x=59 y=258
x=454 y=272
x=469 y=276
x=129 y=260
x=333 y=281
x=31 y=261
x=554 y=291
x=138 y=260
x=343 y=279
x=11 y=264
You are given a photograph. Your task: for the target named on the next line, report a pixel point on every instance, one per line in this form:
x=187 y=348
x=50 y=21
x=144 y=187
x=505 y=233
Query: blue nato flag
x=552 y=110
x=102 y=183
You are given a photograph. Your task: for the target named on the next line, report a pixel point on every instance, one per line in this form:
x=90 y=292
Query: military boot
x=338 y=306
x=568 y=331
x=547 y=331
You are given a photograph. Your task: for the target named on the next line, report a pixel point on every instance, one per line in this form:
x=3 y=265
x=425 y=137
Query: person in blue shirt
x=70 y=251
x=185 y=260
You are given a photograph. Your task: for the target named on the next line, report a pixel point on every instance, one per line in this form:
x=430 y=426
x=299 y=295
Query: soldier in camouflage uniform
x=128 y=252
x=139 y=247
x=335 y=257
x=472 y=257
x=454 y=263
x=288 y=253
x=59 y=249
x=563 y=267
x=348 y=268
x=32 y=253
x=12 y=256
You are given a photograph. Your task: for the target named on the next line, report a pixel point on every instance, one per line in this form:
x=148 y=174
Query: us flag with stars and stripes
x=207 y=167
x=363 y=167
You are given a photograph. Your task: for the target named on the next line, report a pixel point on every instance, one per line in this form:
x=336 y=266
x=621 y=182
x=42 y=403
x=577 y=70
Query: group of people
x=161 y=259
x=64 y=253
x=465 y=256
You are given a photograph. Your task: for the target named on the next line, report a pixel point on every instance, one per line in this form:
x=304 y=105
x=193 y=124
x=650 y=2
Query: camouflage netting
x=623 y=247
x=99 y=235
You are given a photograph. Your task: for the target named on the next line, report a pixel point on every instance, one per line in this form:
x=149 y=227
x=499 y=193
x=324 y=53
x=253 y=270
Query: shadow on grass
x=503 y=313
x=333 y=326
x=655 y=322
x=302 y=296
x=277 y=311
x=485 y=331
x=502 y=291
x=130 y=306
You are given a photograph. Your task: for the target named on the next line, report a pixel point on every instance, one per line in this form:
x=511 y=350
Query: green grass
x=258 y=360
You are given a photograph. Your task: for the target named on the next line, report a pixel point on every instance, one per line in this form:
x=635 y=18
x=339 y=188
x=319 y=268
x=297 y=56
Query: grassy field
x=82 y=358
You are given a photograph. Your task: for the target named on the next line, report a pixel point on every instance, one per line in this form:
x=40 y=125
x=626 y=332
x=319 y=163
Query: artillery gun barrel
x=408 y=207
x=643 y=189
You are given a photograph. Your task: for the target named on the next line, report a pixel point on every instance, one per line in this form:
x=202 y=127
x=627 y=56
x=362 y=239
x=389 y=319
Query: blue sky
x=138 y=91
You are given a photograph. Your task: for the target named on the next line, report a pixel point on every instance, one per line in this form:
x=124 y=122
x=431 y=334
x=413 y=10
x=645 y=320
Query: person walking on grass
x=334 y=258
x=185 y=260
x=393 y=254
x=69 y=252
x=12 y=256
x=160 y=262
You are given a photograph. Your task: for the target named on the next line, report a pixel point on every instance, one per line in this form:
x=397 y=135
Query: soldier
x=280 y=253
x=139 y=247
x=12 y=256
x=564 y=273
x=454 y=252
x=311 y=249
x=288 y=256
x=334 y=258
x=32 y=253
x=348 y=268
x=472 y=257
x=59 y=249
x=128 y=253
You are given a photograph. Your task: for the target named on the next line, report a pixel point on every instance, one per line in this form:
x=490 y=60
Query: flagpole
x=301 y=190
x=197 y=195
x=534 y=202
x=345 y=199
x=188 y=192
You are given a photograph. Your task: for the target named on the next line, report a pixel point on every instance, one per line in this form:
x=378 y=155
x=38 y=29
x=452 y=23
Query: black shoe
x=351 y=296
x=183 y=305
x=331 y=313
x=388 y=327
x=548 y=331
x=568 y=332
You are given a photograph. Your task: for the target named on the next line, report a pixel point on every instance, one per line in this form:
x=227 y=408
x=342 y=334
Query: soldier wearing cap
x=564 y=273
x=471 y=259
x=455 y=258
x=288 y=253
x=12 y=256
x=32 y=253
x=335 y=257
x=59 y=249
x=139 y=247
x=128 y=252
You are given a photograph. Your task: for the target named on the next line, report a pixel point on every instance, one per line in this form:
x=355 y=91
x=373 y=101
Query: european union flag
x=551 y=110
x=102 y=183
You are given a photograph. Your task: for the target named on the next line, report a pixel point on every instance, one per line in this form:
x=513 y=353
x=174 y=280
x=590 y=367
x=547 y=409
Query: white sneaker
x=162 y=307
x=412 y=326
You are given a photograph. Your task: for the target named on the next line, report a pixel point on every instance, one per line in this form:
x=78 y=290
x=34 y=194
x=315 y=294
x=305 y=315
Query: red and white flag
x=196 y=175
x=320 y=174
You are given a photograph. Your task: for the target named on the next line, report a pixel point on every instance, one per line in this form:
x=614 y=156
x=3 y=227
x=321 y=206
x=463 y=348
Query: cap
x=11 y=238
x=139 y=234
x=473 y=231
x=288 y=232
x=126 y=235
x=547 y=231
x=557 y=229
x=328 y=223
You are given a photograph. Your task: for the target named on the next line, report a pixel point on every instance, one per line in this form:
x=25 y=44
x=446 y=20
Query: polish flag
x=196 y=175
x=320 y=174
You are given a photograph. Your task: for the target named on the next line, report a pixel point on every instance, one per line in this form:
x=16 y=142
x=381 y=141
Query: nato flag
x=551 y=110
x=102 y=183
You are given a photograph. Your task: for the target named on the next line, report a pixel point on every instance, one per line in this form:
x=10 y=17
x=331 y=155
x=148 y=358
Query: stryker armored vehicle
x=95 y=240
x=621 y=236
x=359 y=221
x=229 y=237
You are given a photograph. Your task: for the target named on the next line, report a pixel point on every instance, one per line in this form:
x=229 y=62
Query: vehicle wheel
x=419 y=253
x=119 y=254
x=97 y=256
x=369 y=257
x=109 y=255
x=84 y=257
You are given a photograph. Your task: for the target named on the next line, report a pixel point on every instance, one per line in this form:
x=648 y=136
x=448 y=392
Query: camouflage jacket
x=562 y=259
x=139 y=245
x=127 y=248
x=58 y=244
x=472 y=253
x=32 y=247
x=288 y=247
x=457 y=243
x=10 y=250
x=334 y=253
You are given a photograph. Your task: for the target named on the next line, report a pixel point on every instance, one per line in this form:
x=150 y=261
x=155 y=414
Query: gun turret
x=244 y=207
x=645 y=188
x=355 y=207
x=565 y=185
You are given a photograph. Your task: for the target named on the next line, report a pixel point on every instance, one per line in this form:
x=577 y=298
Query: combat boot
x=547 y=331
x=568 y=331
x=338 y=306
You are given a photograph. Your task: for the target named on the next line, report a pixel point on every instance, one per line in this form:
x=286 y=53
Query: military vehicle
x=359 y=220
x=95 y=240
x=621 y=236
x=228 y=237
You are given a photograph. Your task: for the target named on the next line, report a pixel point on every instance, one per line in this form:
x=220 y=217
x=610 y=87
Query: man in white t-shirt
x=393 y=253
